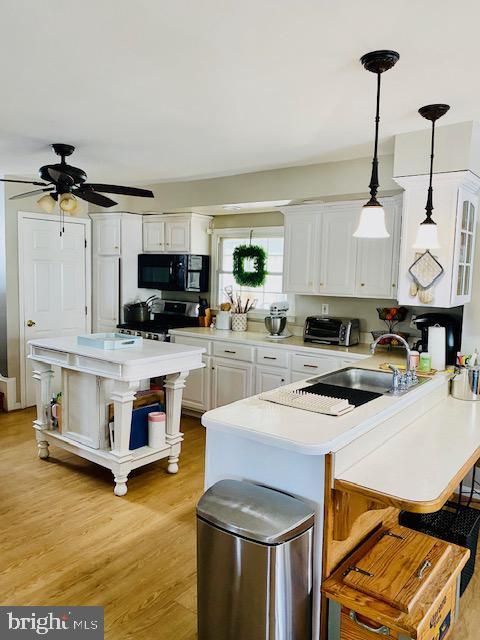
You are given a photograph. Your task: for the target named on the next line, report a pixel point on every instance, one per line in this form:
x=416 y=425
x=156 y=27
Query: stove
x=166 y=314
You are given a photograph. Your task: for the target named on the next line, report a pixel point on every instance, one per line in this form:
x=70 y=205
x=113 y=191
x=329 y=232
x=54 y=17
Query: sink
x=363 y=380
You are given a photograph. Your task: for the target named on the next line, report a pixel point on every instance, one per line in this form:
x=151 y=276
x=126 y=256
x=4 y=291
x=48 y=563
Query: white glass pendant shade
x=46 y=203
x=427 y=236
x=372 y=223
x=68 y=203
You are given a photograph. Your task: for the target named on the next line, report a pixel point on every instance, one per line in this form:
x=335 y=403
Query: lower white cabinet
x=268 y=378
x=196 y=394
x=106 y=283
x=315 y=365
x=231 y=381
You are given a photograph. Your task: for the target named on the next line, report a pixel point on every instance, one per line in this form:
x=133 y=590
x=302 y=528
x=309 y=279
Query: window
x=271 y=239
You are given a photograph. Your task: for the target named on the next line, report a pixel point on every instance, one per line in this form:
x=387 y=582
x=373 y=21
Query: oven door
x=161 y=271
x=324 y=330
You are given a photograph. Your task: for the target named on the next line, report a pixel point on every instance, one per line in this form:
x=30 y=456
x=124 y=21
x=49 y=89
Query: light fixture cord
x=429 y=205
x=374 y=184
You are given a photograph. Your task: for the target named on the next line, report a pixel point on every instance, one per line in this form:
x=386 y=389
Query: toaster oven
x=343 y=332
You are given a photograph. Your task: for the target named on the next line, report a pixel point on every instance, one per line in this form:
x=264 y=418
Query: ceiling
x=153 y=91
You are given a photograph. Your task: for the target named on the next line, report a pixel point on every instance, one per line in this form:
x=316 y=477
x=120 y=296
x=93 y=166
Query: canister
x=465 y=384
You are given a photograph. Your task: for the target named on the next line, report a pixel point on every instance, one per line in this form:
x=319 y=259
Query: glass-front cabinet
x=464 y=248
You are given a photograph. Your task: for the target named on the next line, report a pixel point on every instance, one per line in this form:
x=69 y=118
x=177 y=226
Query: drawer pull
x=311 y=366
x=381 y=631
x=423 y=567
x=269 y=358
x=228 y=351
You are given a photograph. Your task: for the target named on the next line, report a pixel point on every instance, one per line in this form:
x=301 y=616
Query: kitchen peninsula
x=91 y=379
x=356 y=471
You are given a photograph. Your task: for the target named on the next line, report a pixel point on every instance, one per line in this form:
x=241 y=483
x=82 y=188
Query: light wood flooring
x=66 y=539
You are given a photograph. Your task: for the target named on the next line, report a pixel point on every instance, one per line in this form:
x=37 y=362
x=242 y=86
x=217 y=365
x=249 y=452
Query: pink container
x=156 y=429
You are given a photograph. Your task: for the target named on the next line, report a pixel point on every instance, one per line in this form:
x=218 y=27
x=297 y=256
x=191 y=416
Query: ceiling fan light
x=427 y=236
x=68 y=203
x=46 y=203
x=372 y=223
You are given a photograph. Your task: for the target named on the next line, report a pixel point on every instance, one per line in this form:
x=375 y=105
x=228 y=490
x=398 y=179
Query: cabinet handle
x=321 y=284
x=269 y=358
x=393 y=284
x=381 y=631
x=228 y=351
x=362 y=284
x=311 y=366
x=282 y=380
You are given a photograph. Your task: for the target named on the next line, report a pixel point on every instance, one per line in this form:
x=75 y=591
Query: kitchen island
x=355 y=471
x=91 y=379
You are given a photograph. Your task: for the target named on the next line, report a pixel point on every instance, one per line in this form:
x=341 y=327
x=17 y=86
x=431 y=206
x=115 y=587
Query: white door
x=196 y=394
x=153 y=236
x=375 y=263
x=338 y=252
x=231 y=381
x=177 y=236
x=106 y=293
x=52 y=284
x=106 y=237
x=268 y=378
x=300 y=253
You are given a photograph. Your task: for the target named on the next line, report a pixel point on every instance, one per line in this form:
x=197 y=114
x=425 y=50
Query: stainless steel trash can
x=254 y=563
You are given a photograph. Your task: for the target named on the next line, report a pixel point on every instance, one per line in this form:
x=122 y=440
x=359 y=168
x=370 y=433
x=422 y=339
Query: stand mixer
x=276 y=322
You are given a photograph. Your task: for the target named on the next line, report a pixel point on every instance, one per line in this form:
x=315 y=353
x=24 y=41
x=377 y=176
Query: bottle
x=414 y=359
x=425 y=362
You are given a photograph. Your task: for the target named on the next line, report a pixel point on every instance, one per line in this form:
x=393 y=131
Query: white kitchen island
x=91 y=378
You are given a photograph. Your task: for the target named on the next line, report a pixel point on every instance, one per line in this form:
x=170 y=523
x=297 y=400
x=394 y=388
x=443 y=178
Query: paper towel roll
x=436 y=346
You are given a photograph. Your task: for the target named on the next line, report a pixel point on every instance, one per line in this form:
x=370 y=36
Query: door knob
x=30 y=323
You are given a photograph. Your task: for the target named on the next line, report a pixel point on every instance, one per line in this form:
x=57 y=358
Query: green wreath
x=253 y=277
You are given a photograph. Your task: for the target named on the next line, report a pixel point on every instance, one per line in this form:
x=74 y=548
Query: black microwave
x=173 y=272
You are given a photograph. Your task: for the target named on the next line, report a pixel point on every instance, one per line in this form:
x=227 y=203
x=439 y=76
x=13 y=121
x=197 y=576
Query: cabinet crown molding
x=466 y=179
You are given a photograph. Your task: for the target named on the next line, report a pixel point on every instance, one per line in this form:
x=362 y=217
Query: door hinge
x=85 y=243
x=86 y=310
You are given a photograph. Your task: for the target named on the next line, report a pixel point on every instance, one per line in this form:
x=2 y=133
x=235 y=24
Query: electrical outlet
x=325 y=308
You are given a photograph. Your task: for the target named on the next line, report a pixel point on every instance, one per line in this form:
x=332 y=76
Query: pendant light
x=372 y=216
x=427 y=234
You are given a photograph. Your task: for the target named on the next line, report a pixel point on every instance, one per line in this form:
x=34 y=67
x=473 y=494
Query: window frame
x=244 y=232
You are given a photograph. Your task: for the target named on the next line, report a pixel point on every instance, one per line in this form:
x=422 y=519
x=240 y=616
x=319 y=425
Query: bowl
x=275 y=325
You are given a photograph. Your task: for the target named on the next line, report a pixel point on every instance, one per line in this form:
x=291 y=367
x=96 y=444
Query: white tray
x=110 y=341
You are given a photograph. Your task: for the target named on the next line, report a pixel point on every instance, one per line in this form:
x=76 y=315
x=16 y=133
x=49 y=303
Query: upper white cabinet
x=455 y=201
x=106 y=234
x=322 y=257
x=176 y=233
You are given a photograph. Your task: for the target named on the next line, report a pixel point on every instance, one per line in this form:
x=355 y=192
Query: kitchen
x=253 y=395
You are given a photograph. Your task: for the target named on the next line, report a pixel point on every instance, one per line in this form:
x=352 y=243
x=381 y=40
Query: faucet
x=399 y=381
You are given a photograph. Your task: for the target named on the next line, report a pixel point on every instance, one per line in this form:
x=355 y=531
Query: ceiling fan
x=63 y=183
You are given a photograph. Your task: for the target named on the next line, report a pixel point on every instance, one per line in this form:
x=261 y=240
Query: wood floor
x=66 y=539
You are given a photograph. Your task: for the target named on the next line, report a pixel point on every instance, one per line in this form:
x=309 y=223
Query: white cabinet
x=176 y=233
x=268 y=378
x=322 y=257
x=231 y=381
x=455 y=200
x=196 y=394
x=105 y=291
x=106 y=236
x=314 y=365
x=337 y=251
x=300 y=253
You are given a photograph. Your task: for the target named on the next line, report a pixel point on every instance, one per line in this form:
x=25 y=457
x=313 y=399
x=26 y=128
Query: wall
x=3 y=290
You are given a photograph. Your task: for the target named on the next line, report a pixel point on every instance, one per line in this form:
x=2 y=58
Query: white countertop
x=417 y=464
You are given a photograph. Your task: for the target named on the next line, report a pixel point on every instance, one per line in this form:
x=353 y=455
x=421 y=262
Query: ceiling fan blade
x=113 y=188
x=59 y=176
x=31 y=193
x=40 y=184
x=94 y=198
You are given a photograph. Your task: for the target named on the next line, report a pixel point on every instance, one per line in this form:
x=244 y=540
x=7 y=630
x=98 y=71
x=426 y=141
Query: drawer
x=314 y=364
x=194 y=342
x=272 y=357
x=233 y=351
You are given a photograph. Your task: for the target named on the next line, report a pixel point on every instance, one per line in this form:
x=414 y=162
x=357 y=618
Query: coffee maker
x=453 y=333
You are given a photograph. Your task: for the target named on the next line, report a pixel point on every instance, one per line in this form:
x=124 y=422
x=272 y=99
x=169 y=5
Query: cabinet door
x=267 y=378
x=107 y=237
x=338 y=252
x=196 y=394
x=231 y=381
x=177 y=236
x=106 y=283
x=300 y=253
x=153 y=236
x=375 y=262
x=464 y=251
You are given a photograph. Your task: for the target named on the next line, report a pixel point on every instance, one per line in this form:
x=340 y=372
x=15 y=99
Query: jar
x=239 y=321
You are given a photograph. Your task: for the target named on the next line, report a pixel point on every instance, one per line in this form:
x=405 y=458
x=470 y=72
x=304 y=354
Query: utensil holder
x=239 y=321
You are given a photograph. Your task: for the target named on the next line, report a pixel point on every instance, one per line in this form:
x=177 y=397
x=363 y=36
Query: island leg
x=123 y=395
x=174 y=385
x=42 y=374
